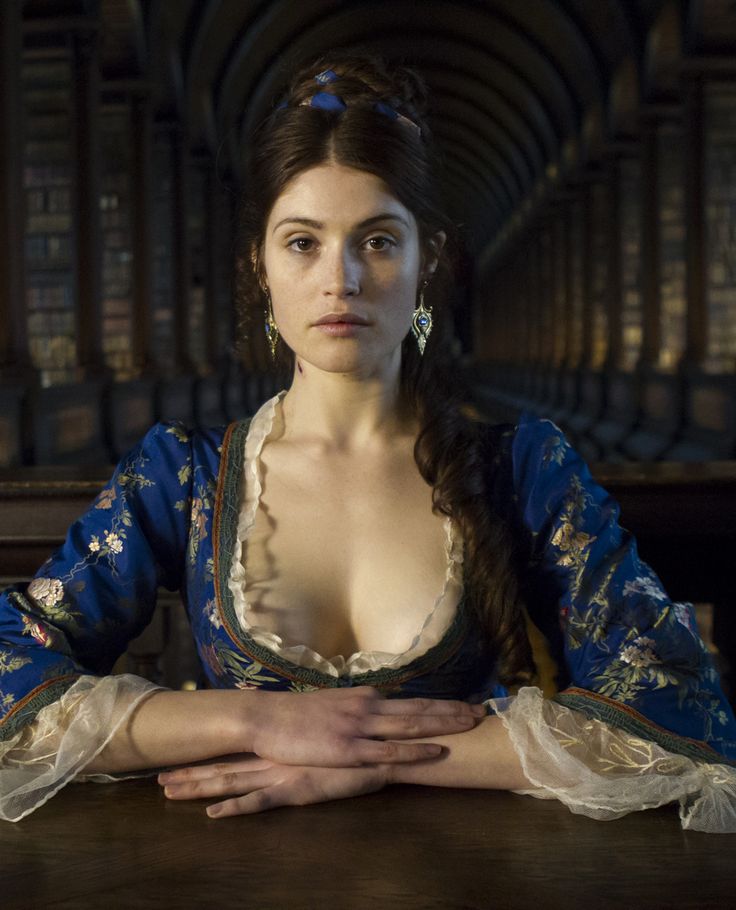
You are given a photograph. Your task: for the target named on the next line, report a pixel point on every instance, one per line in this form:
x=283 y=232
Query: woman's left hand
x=254 y=784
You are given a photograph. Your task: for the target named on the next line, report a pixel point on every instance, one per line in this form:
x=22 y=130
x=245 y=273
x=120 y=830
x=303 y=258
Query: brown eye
x=379 y=244
x=302 y=244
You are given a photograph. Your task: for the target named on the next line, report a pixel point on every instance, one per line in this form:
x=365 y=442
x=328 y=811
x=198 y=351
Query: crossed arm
x=288 y=749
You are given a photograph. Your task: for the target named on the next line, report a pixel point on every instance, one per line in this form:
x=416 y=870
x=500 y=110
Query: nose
x=342 y=272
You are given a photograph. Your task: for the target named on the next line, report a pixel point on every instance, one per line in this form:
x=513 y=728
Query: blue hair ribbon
x=326 y=76
x=325 y=101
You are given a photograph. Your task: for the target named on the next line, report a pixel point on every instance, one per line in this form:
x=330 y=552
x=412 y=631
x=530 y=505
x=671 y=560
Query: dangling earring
x=421 y=324
x=272 y=330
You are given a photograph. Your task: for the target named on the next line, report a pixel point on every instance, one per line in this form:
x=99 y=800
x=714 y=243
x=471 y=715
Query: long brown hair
x=452 y=451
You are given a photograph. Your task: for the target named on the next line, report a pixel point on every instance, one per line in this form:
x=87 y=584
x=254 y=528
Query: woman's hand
x=254 y=784
x=350 y=727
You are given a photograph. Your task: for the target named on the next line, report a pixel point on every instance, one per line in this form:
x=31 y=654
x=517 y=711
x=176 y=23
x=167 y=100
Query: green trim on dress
x=388 y=678
x=615 y=714
x=26 y=710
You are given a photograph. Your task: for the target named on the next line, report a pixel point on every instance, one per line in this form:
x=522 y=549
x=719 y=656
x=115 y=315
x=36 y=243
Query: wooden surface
x=123 y=845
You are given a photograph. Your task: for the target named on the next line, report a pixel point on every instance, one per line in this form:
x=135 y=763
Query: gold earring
x=272 y=330
x=421 y=324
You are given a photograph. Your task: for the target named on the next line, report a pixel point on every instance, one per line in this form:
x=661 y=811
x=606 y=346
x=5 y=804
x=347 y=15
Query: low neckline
x=242 y=454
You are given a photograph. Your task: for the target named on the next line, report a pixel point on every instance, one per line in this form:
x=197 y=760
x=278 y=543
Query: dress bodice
x=437 y=619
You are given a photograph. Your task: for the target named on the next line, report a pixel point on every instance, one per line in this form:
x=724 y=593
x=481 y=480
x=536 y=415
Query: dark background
x=590 y=159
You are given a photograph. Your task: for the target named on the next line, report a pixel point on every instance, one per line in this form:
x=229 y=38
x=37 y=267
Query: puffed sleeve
x=643 y=721
x=61 y=633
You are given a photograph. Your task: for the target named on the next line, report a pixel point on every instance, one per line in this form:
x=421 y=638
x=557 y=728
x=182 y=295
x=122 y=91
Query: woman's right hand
x=351 y=727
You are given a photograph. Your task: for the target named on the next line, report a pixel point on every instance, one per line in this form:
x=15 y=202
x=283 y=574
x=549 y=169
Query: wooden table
x=124 y=845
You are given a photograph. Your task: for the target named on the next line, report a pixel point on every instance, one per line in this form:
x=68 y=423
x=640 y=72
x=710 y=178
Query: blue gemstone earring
x=421 y=324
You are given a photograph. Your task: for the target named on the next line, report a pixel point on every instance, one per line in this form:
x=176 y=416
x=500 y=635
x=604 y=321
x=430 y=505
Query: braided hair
x=356 y=111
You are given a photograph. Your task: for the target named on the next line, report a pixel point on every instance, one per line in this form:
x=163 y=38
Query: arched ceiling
x=512 y=81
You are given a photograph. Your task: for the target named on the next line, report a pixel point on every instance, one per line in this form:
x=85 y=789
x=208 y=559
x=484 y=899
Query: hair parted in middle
x=359 y=112
x=377 y=124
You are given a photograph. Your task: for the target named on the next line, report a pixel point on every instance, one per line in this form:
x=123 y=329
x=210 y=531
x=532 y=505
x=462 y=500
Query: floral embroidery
x=179 y=433
x=132 y=481
x=646 y=586
x=554 y=449
x=94 y=544
x=640 y=653
x=296 y=686
x=239 y=668
x=38 y=631
x=9 y=664
x=571 y=543
x=684 y=615
x=46 y=591
x=106 y=498
x=198 y=518
x=200 y=507
x=569 y=539
x=113 y=542
x=210 y=609
x=61 y=615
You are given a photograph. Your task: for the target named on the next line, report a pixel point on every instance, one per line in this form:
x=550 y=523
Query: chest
x=345 y=557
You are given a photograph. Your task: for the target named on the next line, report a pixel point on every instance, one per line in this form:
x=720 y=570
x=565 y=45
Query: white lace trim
x=604 y=773
x=433 y=628
x=65 y=737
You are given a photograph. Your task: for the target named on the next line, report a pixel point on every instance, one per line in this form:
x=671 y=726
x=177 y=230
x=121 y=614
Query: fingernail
x=479 y=710
x=212 y=811
x=164 y=777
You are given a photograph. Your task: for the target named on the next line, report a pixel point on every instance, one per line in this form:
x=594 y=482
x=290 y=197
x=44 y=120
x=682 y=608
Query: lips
x=342 y=318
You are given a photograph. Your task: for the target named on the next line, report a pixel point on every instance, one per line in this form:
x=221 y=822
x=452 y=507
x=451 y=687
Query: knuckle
x=262 y=800
x=390 y=751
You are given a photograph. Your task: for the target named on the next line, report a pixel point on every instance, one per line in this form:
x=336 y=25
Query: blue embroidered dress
x=641 y=719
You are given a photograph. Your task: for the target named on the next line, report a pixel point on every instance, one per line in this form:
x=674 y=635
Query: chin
x=348 y=361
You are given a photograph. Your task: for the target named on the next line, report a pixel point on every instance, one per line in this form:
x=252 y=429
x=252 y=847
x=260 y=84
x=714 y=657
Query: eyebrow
x=374 y=219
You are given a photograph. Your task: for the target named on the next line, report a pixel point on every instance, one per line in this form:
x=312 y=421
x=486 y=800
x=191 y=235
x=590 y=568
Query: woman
x=361 y=514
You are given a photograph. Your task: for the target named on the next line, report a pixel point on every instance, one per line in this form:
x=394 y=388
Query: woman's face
x=342 y=262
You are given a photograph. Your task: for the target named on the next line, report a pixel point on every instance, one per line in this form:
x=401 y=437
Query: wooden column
x=567 y=282
x=13 y=336
x=650 y=251
x=88 y=259
x=614 y=285
x=181 y=273
x=215 y=237
x=142 y=153
x=695 y=225
x=587 y=278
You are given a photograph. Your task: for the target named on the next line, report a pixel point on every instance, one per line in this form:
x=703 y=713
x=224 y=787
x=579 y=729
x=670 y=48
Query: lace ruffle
x=604 y=772
x=435 y=624
x=65 y=737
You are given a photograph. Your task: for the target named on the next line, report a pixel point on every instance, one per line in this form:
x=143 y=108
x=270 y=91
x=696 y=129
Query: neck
x=344 y=412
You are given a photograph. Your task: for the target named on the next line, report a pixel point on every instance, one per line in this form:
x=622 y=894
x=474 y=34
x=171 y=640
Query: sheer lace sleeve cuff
x=604 y=772
x=64 y=737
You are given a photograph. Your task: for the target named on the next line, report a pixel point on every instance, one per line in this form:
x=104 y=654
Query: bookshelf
x=117 y=242
x=49 y=228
